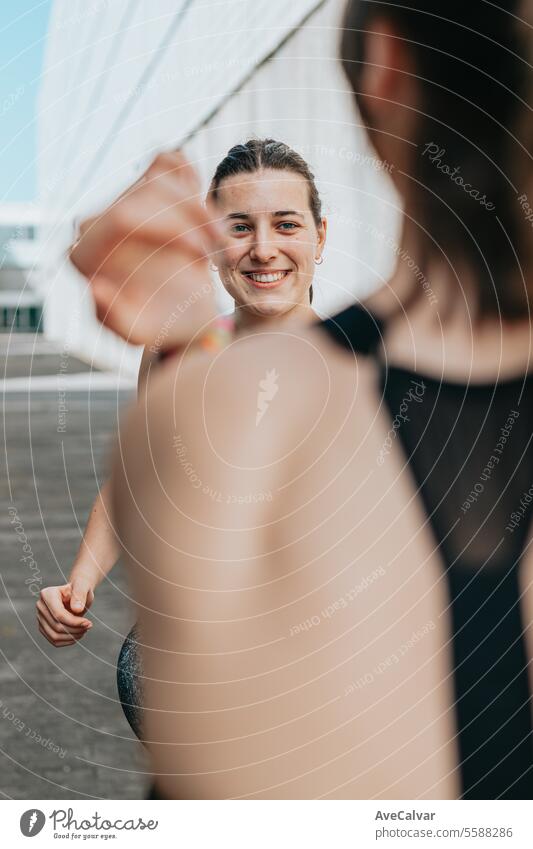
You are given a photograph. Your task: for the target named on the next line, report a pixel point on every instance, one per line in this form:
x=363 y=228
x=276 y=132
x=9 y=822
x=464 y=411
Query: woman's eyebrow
x=283 y=212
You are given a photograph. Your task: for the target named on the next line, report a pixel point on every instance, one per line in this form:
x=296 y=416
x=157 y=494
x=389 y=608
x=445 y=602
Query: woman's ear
x=387 y=61
x=322 y=229
x=388 y=95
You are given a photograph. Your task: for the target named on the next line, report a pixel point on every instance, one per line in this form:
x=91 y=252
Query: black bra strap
x=356 y=329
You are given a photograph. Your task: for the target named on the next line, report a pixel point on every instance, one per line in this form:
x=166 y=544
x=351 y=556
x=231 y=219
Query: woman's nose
x=263 y=249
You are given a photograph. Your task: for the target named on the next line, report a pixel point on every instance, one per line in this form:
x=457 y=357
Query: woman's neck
x=436 y=332
x=250 y=322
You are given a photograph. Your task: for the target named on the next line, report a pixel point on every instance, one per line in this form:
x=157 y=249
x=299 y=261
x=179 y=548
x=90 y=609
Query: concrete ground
x=62 y=731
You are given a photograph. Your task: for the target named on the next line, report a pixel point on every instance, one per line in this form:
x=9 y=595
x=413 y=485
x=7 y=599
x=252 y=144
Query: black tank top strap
x=356 y=329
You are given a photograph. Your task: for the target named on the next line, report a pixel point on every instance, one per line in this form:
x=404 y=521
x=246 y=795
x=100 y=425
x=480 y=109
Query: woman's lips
x=265 y=279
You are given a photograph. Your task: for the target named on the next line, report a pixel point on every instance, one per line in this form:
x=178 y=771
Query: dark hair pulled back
x=472 y=68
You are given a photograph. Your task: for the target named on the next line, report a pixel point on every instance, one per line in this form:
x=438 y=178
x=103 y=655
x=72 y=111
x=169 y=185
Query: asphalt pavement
x=63 y=734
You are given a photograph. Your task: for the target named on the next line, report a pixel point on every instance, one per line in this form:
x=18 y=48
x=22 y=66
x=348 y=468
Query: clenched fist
x=146 y=257
x=60 y=612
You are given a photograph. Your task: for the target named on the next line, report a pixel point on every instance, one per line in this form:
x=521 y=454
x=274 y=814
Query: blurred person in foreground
x=366 y=633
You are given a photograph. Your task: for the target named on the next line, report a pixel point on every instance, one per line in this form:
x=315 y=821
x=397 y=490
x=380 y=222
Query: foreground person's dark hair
x=255 y=154
x=471 y=59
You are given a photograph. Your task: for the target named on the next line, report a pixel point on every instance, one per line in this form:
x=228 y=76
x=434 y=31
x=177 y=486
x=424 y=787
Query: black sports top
x=470 y=448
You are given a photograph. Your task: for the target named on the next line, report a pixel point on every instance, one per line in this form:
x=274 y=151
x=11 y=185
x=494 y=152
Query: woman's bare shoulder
x=259 y=393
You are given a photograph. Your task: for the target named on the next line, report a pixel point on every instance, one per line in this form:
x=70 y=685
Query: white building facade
x=126 y=78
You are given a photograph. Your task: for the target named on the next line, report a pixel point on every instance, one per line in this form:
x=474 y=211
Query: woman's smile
x=266 y=278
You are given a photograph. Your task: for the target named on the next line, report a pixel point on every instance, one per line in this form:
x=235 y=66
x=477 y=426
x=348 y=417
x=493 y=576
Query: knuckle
x=121 y=219
x=165 y=161
x=85 y=224
x=101 y=311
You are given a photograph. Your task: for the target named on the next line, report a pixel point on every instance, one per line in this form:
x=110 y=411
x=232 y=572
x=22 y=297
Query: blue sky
x=23 y=26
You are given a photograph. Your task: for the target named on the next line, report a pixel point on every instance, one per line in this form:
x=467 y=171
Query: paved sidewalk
x=62 y=732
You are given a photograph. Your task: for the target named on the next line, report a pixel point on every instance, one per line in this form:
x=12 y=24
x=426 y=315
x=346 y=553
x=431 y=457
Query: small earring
x=319 y=261
x=213 y=267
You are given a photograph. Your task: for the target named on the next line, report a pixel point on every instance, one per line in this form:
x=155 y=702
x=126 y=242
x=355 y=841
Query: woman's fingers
x=82 y=596
x=148 y=260
x=162 y=209
x=53 y=636
x=146 y=256
x=44 y=615
x=58 y=625
x=161 y=215
x=114 y=310
x=57 y=640
x=171 y=313
x=54 y=598
x=174 y=163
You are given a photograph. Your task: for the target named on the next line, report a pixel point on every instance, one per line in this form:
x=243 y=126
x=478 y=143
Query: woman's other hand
x=60 y=612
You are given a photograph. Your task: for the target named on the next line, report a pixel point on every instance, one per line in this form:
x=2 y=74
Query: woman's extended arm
x=60 y=609
x=99 y=549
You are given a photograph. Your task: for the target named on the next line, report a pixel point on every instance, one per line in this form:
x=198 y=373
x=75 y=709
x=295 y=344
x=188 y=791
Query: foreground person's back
x=469 y=446
x=331 y=553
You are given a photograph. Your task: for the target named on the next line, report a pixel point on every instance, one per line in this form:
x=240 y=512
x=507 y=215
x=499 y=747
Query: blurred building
x=20 y=284
x=126 y=78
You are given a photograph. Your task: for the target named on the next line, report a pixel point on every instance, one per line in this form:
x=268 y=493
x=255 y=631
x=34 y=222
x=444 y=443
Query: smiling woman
x=274 y=231
x=270 y=236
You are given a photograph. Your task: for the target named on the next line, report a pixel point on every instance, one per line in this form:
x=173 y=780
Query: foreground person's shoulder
x=262 y=391
x=300 y=355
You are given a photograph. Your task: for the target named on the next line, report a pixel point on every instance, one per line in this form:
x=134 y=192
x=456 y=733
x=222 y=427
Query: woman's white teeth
x=267 y=278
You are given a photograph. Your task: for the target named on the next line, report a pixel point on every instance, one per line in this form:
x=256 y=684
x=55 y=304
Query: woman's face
x=271 y=240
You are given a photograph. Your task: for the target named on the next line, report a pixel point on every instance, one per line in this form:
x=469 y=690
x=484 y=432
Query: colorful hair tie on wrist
x=219 y=334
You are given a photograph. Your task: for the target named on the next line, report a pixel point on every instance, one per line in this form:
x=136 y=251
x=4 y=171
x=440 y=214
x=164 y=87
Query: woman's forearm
x=99 y=549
